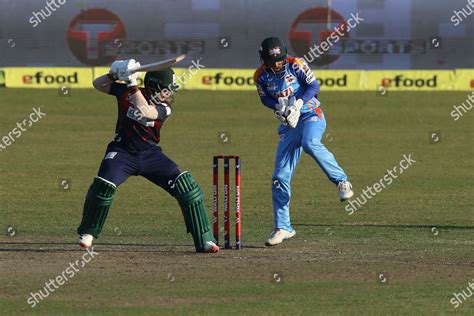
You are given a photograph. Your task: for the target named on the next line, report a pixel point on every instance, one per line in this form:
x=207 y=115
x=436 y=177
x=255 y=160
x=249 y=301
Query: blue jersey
x=296 y=79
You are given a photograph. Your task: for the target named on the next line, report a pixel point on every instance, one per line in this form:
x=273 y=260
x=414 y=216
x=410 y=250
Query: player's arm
x=141 y=104
x=277 y=105
x=266 y=98
x=120 y=69
x=310 y=87
x=307 y=80
x=103 y=83
x=135 y=95
x=268 y=101
x=108 y=83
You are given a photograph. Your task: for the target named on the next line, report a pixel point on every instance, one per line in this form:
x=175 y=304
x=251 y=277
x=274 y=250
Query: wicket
x=215 y=201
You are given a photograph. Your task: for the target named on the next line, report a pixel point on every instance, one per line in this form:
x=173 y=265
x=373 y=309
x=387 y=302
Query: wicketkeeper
x=135 y=151
x=288 y=86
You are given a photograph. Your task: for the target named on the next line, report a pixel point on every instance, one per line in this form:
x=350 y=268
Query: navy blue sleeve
x=311 y=91
x=267 y=100
x=164 y=111
x=117 y=89
x=307 y=80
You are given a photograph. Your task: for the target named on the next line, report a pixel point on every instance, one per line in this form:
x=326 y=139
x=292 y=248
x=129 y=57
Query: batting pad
x=191 y=200
x=96 y=207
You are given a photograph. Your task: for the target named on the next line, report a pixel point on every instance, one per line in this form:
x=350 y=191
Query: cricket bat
x=159 y=65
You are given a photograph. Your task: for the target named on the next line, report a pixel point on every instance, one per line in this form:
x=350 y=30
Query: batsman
x=135 y=151
x=288 y=86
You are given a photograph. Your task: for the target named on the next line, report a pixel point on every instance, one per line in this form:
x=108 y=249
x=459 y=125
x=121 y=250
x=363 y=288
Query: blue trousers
x=293 y=141
x=153 y=164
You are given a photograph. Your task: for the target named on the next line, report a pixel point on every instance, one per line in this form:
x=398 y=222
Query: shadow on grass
x=386 y=225
x=114 y=247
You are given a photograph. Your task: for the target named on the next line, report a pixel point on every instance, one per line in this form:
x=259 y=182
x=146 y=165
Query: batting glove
x=282 y=105
x=124 y=69
x=114 y=68
x=281 y=117
x=294 y=113
x=124 y=72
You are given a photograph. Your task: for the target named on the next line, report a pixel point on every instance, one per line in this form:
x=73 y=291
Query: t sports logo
x=312 y=27
x=89 y=31
x=401 y=81
x=97 y=37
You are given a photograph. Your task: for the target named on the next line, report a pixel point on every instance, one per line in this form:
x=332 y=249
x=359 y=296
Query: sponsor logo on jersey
x=308 y=73
x=290 y=79
x=271 y=86
x=110 y=155
x=285 y=93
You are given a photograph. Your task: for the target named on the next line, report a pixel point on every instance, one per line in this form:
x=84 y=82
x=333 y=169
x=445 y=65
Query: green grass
x=419 y=230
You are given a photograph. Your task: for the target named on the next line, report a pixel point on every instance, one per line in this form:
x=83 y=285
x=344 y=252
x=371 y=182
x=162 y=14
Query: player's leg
x=287 y=157
x=162 y=171
x=116 y=167
x=313 y=130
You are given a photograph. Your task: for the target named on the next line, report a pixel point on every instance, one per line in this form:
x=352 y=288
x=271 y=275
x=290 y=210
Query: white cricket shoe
x=345 y=190
x=278 y=235
x=85 y=241
x=211 y=247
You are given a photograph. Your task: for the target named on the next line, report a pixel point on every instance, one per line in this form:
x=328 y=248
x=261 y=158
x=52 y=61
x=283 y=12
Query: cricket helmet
x=161 y=82
x=272 y=50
